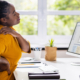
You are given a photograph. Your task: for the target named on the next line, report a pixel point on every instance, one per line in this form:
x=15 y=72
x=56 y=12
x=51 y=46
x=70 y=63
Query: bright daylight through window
x=45 y=19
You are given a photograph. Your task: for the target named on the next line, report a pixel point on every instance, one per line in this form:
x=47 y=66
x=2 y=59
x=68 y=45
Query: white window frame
x=42 y=37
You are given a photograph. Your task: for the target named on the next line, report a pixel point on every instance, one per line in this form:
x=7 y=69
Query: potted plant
x=50 y=51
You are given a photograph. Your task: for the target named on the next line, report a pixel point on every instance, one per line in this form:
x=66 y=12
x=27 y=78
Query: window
x=42 y=20
x=61 y=24
x=28 y=25
x=25 y=4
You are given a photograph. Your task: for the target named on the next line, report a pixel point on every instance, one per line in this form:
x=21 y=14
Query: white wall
x=60 y=54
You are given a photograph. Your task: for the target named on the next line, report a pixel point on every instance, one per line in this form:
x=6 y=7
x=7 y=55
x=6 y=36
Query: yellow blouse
x=10 y=49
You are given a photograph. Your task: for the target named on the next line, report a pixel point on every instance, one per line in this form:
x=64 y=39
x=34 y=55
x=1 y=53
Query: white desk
x=66 y=70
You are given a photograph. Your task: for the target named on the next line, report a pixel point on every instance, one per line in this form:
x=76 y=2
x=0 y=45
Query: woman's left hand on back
x=7 y=30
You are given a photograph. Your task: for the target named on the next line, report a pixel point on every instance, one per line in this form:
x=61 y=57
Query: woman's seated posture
x=11 y=43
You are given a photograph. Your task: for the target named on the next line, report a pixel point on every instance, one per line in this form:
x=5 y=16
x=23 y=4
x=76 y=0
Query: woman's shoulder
x=7 y=36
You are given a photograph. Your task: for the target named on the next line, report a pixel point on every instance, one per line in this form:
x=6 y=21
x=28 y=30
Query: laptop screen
x=74 y=46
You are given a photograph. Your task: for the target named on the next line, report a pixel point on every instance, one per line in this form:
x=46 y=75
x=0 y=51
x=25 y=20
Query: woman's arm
x=23 y=43
x=4 y=65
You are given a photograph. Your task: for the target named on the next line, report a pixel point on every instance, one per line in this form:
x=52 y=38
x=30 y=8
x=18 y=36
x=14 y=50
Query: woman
x=11 y=43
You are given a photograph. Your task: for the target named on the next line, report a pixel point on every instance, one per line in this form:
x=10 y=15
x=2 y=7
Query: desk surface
x=66 y=70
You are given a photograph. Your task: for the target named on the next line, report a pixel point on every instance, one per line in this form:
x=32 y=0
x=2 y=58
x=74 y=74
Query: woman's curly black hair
x=4 y=8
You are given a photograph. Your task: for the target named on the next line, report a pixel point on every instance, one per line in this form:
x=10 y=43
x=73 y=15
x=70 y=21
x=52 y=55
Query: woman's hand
x=7 y=30
x=4 y=65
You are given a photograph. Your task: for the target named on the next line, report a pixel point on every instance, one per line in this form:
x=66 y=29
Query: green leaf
x=51 y=42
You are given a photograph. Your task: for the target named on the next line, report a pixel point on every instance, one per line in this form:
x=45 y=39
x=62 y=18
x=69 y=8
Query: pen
x=29 y=67
x=30 y=62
